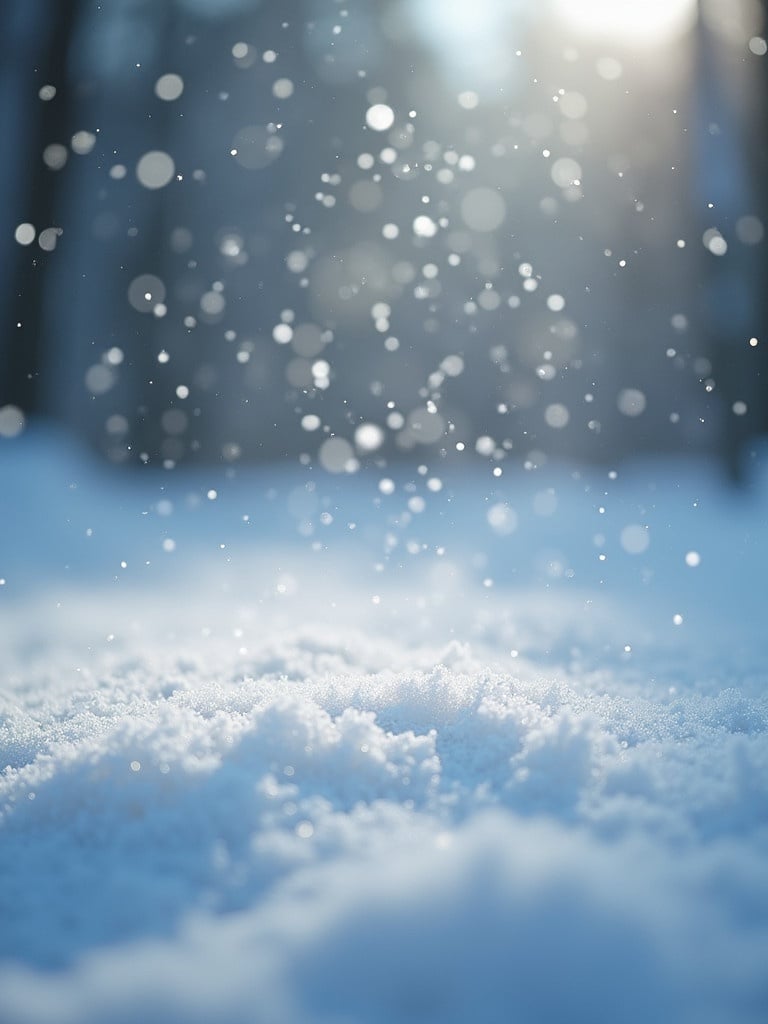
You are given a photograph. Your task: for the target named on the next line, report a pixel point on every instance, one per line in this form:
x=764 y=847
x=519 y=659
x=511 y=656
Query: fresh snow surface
x=349 y=761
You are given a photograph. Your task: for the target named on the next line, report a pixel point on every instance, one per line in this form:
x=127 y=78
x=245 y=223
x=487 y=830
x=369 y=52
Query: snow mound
x=257 y=794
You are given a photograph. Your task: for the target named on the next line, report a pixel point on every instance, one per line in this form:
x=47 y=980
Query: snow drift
x=249 y=779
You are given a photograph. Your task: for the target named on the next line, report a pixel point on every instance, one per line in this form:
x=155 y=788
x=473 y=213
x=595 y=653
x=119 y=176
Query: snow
x=422 y=769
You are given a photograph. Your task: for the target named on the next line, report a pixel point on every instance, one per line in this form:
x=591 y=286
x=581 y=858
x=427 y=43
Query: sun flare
x=652 y=22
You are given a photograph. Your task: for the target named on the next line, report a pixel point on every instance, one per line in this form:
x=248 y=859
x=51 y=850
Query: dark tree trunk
x=49 y=30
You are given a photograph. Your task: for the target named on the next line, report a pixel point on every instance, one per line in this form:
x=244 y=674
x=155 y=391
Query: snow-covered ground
x=283 y=747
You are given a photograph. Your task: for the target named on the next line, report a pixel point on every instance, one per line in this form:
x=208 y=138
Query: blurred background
x=334 y=232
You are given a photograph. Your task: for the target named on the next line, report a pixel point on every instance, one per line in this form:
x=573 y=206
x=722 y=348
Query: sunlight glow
x=473 y=37
x=627 y=21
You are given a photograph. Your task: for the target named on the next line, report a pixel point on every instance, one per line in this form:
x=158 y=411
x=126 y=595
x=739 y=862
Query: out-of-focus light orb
x=12 y=421
x=155 y=169
x=502 y=518
x=336 y=455
x=145 y=292
x=283 y=88
x=635 y=539
x=557 y=416
x=627 y=21
x=169 y=87
x=369 y=437
x=380 y=117
x=631 y=402
x=483 y=209
x=25 y=233
x=424 y=227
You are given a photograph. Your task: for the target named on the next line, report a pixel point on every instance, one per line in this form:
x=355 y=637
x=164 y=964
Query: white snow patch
x=222 y=800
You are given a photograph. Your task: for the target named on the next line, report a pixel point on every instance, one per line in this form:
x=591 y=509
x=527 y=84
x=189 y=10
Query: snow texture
x=271 y=782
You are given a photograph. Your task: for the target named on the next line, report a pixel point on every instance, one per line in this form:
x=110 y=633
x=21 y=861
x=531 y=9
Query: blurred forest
x=339 y=231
